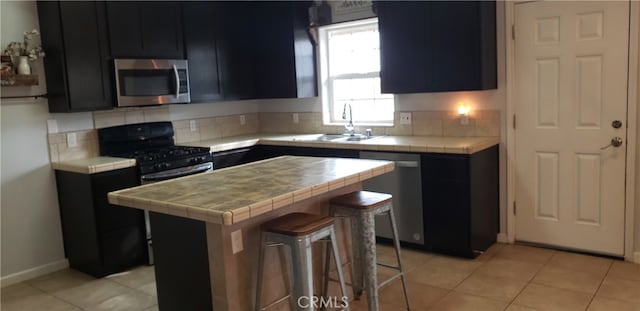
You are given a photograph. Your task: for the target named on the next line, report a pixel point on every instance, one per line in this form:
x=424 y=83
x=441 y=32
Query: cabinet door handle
x=406 y=163
x=175 y=72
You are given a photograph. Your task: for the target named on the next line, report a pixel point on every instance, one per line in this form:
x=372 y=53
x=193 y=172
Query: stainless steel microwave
x=143 y=82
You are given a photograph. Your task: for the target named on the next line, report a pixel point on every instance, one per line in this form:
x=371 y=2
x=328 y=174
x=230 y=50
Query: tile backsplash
x=204 y=129
x=130 y=116
x=87 y=146
x=424 y=123
x=215 y=127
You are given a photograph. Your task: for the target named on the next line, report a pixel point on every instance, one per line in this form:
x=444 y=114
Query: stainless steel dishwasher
x=405 y=184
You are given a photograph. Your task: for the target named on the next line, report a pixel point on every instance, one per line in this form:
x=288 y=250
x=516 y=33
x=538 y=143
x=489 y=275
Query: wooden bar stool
x=298 y=231
x=361 y=207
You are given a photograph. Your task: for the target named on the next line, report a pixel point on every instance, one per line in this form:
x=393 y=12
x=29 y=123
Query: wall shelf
x=19 y=80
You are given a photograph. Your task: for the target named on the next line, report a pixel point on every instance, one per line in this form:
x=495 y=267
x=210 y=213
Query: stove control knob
x=197 y=160
x=161 y=166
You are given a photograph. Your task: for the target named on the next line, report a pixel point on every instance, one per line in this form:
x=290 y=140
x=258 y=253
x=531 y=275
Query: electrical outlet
x=243 y=120
x=236 y=241
x=296 y=118
x=192 y=125
x=72 y=140
x=405 y=118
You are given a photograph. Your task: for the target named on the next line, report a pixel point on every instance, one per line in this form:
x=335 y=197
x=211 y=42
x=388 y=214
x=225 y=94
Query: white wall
x=31 y=234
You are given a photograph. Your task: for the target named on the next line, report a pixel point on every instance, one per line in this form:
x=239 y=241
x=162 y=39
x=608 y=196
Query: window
x=350 y=74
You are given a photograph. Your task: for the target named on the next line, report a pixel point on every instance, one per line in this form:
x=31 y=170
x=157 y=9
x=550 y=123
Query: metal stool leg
x=302 y=273
x=326 y=251
x=368 y=250
x=338 y=262
x=396 y=244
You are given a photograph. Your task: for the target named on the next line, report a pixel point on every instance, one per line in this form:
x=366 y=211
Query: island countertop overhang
x=238 y=193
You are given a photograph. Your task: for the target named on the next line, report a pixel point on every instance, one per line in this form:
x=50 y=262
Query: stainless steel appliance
x=405 y=184
x=143 y=82
x=157 y=157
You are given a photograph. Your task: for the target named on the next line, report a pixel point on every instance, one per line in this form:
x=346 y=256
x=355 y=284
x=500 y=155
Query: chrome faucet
x=349 y=128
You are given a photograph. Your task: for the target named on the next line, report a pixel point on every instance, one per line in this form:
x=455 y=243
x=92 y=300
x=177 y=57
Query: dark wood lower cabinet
x=460 y=195
x=100 y=238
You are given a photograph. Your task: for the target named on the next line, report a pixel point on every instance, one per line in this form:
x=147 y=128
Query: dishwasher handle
x=406 y=163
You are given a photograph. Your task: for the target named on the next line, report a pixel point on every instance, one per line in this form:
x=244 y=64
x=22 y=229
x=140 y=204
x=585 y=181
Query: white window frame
x=326 y=81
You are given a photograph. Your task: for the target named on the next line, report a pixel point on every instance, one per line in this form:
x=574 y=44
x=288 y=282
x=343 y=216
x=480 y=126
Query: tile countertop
x=438 y=144
x=234 y=194
x=93 y=165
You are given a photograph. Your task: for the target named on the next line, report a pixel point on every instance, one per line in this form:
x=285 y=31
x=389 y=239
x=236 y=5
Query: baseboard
x=503 y=238
x=636 y=257
x=33 y=272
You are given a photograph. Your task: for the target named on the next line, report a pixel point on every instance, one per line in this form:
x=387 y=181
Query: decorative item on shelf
x=23 y=67
x=20 y=52
x=16 y=70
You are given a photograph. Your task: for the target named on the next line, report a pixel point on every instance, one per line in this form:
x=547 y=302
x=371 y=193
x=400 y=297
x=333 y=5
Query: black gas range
x=153 y=147
x=157 y=156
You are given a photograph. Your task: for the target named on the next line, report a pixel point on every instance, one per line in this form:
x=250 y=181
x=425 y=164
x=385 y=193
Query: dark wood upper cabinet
x=235 y=49
x=435 y=46
x=249 y=50
x=145 y=29
x=77 y=66
x=285 y=58
x=201 y=41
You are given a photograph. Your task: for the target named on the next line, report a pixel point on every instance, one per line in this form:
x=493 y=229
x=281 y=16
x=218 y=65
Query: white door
x=571 y=62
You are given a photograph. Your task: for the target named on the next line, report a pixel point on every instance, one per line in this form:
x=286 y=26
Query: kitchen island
x=206 y=227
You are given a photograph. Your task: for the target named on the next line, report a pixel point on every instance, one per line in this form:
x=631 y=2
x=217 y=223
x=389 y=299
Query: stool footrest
x=389 y=280
x=276 y=302
x=388 y=266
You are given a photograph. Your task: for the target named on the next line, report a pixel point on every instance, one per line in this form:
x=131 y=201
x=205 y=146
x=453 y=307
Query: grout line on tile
x=600 y=285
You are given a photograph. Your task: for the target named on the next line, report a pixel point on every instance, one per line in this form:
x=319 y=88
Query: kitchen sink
x=357 y=137
x=328 y=137
x=336 y=138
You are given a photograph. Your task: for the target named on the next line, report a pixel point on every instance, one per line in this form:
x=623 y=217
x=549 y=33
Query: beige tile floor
x=506 y=277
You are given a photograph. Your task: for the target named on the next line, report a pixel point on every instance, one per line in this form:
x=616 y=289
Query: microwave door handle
x=175 y=72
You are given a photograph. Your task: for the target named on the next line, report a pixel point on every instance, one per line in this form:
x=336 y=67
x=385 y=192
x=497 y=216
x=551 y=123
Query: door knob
x=615 y=142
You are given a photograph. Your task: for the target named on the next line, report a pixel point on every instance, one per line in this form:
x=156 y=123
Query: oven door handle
x=175 y=72
x=175 y=173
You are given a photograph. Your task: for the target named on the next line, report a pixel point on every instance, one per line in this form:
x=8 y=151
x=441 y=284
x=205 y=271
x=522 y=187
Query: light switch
x=296 y=118
x=243 y=120
x=236 y=241
x=192 y=125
